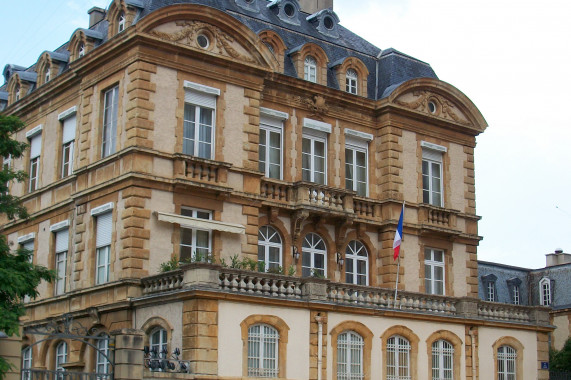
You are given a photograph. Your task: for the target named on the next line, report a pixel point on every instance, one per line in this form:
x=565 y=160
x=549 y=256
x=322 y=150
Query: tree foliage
x=19 y=277
x=561 y=360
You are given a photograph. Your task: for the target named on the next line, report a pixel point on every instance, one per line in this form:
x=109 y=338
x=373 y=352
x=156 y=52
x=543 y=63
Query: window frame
x=100 y=359
x=162 y=344
x=109 y=128
x=200 y=97
x=58 y=364
x=393 y=357
x=545 y=296
x=430 y=284
x=271 y=121
x=345 y=356
x=432 y=154
x=35 y=137
x=505 y=360
x=353 y=255
x=314 y=137
x=121 y=22
x=351 y=81
x=490 y=291
x=103 y=247
x=194 y=212
x=310 y=68
x=68 y=120
x=27 y=361
x=357 y=145
x=268 y=337
x=313 y=252
x=266 y=244
x=444 y=355
x=34 y=173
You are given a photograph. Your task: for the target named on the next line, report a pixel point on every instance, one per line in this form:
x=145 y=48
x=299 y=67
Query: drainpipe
x=319 y=321
x=471 y=333
x=377 y=74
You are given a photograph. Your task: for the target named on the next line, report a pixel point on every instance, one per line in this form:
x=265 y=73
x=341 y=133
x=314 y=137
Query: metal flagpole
x=398 y=262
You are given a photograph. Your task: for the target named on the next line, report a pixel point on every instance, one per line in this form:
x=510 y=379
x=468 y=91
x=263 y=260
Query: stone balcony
x=217 y=279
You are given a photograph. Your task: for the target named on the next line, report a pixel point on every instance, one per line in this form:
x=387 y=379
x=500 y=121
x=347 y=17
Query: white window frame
x=158 y=339
x=81 y=50
x=265 y=235
x=26 y=363
x=69 y=121
x=507 y=363
x=121 y=22
x=310 y=69
x=398 y=347
x=351 y=80
x=312 y=252
x=357 y=145
x=202 y=98
x=110 y=121
x=516 y=297
x=60 y=359
x=442 y=360
x=545 y=291
x=61 y=271
x=350 y=356
x=431 y=265
x=432 y=154
x=102 y=249
x=314 y=137
x=35 y=137
x=261 y=345
x=47 y=74
x=490 y=291
x=194 y=213
x=101 y=362
x=271 y=121
x=352 y=253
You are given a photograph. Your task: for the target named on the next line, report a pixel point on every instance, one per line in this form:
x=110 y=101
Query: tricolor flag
x=398 y=236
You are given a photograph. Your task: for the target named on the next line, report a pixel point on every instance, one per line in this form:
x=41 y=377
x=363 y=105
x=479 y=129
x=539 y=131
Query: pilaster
x=200 y=335
x=140 y=106
x=136 y=233
x=251 y=129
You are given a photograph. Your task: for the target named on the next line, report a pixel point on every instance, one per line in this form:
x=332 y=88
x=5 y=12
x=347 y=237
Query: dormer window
x=325 y=21
x=351 y=81
x=310 y=69
x=286 y=10
x=121 y=22
x=47 y=74
x=81 y=50
x=328 y=23
x=289 y=10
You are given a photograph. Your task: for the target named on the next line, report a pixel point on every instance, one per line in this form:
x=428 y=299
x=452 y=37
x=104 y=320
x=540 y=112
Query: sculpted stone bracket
x=439 y=107
x=341 y=232
x=273 y=214
x=296 y=221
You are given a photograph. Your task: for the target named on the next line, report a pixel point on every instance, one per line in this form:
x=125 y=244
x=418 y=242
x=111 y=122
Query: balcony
x=281 y=288
x=201 y=171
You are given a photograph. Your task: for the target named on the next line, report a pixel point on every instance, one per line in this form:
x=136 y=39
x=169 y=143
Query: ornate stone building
x=268 y=149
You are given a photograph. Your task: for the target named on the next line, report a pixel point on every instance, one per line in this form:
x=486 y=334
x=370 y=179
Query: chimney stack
x=96 y=14
x=314 y=6
x=557 y=258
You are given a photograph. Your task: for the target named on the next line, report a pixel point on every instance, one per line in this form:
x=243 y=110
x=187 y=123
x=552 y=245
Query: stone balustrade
x=214 y=278
x=201 y=170
x=275 y=190
x=436 y=216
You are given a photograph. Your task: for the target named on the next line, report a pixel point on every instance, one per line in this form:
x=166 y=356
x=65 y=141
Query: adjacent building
x=269 y=150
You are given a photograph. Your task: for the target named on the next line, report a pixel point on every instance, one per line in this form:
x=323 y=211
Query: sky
x=511 y=58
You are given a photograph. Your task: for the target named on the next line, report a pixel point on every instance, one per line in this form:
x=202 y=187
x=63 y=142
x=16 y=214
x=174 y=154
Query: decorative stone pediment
x=432 y=104
x=212 y=39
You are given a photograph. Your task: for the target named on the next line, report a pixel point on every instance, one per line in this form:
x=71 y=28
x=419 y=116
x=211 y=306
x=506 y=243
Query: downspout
x=377 y=74
x=471 y=333
x=319 y=321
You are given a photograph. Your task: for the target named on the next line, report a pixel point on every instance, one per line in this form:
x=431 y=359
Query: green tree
x=18 y=276
x=561 y=360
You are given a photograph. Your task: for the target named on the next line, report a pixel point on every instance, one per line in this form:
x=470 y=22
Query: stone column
x=129 y=344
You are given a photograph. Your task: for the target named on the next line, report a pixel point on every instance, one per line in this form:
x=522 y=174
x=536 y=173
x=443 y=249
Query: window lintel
x=34 y=131
x=59 y=226
x=317 y=125
x=431 y=146
x=359 y=135
x=102 y=209
x=26 y=238
x=67 y=113
x=273 y=113
x=201 y=88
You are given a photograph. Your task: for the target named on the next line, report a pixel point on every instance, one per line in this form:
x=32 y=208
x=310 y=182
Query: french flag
x=398 y=236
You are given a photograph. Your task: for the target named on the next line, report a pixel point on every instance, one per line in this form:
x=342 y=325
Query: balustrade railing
x=437 y=216
x=493 y=310
x=275 y=191
x=364 y=208
x=163 y=282
x=202 y=170
x=264 y=284
x=323 y=196
x=43 y=374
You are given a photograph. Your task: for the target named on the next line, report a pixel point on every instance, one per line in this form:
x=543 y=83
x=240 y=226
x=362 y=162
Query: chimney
x=314 y=6
x=557 y=258
x=96 y=14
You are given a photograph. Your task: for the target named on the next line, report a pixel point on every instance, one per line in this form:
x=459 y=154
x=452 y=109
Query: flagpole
x=398 y=258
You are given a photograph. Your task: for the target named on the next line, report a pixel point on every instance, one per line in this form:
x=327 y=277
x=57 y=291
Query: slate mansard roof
x=386 y=72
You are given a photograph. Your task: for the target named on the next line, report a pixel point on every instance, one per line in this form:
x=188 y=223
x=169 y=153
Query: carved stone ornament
x=186 y=32
x=297 y=220
x=315 y=104
x=433 y=104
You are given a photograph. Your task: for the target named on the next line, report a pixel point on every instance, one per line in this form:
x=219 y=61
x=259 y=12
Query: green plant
x=223 y=263
x=291 y=270
x=261 y=266
x=276 y=270
x=235 y=262
x=316 y=273
x=249 y=264
x=172 y=264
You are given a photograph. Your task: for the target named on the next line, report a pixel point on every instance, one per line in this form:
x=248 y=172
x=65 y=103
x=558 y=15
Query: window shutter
x=200 y=98
x=36 y=146
x=69 y=129
x=432 y=155
x=104 y=228
x=62 y=240
x=29 y=245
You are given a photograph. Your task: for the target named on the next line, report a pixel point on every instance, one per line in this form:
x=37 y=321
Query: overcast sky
x=511 y=58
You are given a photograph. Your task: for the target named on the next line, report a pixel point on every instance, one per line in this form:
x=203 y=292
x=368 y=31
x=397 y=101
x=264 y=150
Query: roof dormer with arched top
x=122 y=14
x=83 y=41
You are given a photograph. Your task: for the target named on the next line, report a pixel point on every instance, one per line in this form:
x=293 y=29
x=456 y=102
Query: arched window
x=350 y=356
x=263 y=351
x=442 y=360
x=545 y=292
x=26 y=363
x=61 y=359
x=310 y=69
x=356 y=263
x=314 y=255
x=47 y=74
x=81 y=50
x=269 y=247
x=506 y=363
x=17 y=91
x=398 y=358
x=351 y=78
x=158 y=345
x=101 y=360
x=121 y=21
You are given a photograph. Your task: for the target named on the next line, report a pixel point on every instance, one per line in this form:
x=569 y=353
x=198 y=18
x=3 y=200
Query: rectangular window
x=515 y=295
x=195 y=244
x=270 y=150
x=434 y=271
x=199 y=117
x=35 y=152
x=314 y=158
x=68 y=120
x=110 y=112
x=61 y=248
x=27 y=242
x=545 y=289
x=356 y=177
x=490 y=291
x=432 y=174
x=103 y=247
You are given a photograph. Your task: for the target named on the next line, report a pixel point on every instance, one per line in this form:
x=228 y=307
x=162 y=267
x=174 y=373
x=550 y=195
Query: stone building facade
x=270 y=150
